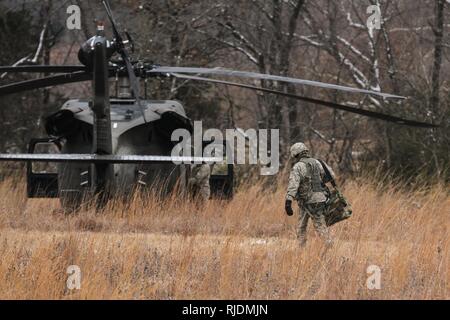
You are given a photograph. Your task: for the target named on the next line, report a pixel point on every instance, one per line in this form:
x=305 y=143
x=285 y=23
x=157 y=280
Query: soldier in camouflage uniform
x=198 y=183
x=307 y=187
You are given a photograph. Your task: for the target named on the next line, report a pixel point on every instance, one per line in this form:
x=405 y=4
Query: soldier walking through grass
x=307 y=186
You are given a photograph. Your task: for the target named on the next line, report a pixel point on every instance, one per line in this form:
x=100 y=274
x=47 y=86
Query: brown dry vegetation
x=243 y=249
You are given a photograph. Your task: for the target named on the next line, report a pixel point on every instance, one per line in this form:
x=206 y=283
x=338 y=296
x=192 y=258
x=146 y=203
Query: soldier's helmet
x=298 y=149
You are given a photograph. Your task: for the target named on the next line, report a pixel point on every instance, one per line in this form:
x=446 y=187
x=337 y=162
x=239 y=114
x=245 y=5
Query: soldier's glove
x=288 y=208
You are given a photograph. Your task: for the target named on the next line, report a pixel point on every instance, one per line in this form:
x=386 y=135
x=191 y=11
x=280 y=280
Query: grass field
x=243 y=249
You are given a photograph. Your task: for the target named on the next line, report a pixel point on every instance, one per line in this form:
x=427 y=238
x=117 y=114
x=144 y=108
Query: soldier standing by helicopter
x=198 y=183
x=307 y=186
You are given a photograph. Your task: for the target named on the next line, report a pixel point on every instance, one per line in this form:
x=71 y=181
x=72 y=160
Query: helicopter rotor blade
x=42 y=69
x=125 y=56
x=261 y=76
x=112 y=20
x=337 y=106
x=105 y=159
x=45 y=82
x=131 y=75
x=122 y=50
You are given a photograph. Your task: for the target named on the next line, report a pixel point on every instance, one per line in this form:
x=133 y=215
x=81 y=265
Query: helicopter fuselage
x=131 y=134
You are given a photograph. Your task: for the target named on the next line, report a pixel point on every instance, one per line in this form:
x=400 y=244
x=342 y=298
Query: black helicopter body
x=112 y=145
x=131 y=134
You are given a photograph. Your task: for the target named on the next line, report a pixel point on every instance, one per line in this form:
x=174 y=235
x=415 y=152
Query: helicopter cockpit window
x=45 y=167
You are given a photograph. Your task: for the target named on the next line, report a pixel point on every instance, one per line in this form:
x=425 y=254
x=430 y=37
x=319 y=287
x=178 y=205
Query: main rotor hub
x=86 y=52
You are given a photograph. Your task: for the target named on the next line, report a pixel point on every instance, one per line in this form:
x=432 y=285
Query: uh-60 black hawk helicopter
x=109 y=145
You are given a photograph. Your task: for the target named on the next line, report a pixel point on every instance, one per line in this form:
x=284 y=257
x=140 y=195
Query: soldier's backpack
x=338 y=208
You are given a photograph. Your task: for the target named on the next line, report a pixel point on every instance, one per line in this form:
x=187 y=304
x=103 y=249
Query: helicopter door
x=42 y=177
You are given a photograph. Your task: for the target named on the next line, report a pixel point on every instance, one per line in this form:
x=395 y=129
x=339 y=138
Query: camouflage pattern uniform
x=307 y=187
x=198 y=183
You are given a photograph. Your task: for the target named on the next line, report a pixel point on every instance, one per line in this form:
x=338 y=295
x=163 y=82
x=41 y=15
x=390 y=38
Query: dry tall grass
x=243 y=249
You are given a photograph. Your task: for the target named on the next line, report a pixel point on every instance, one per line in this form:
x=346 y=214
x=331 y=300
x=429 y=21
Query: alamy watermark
x=374 y=280
x=74 y=279
x=73 y=22
x=240 y=147
x=374 y=20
